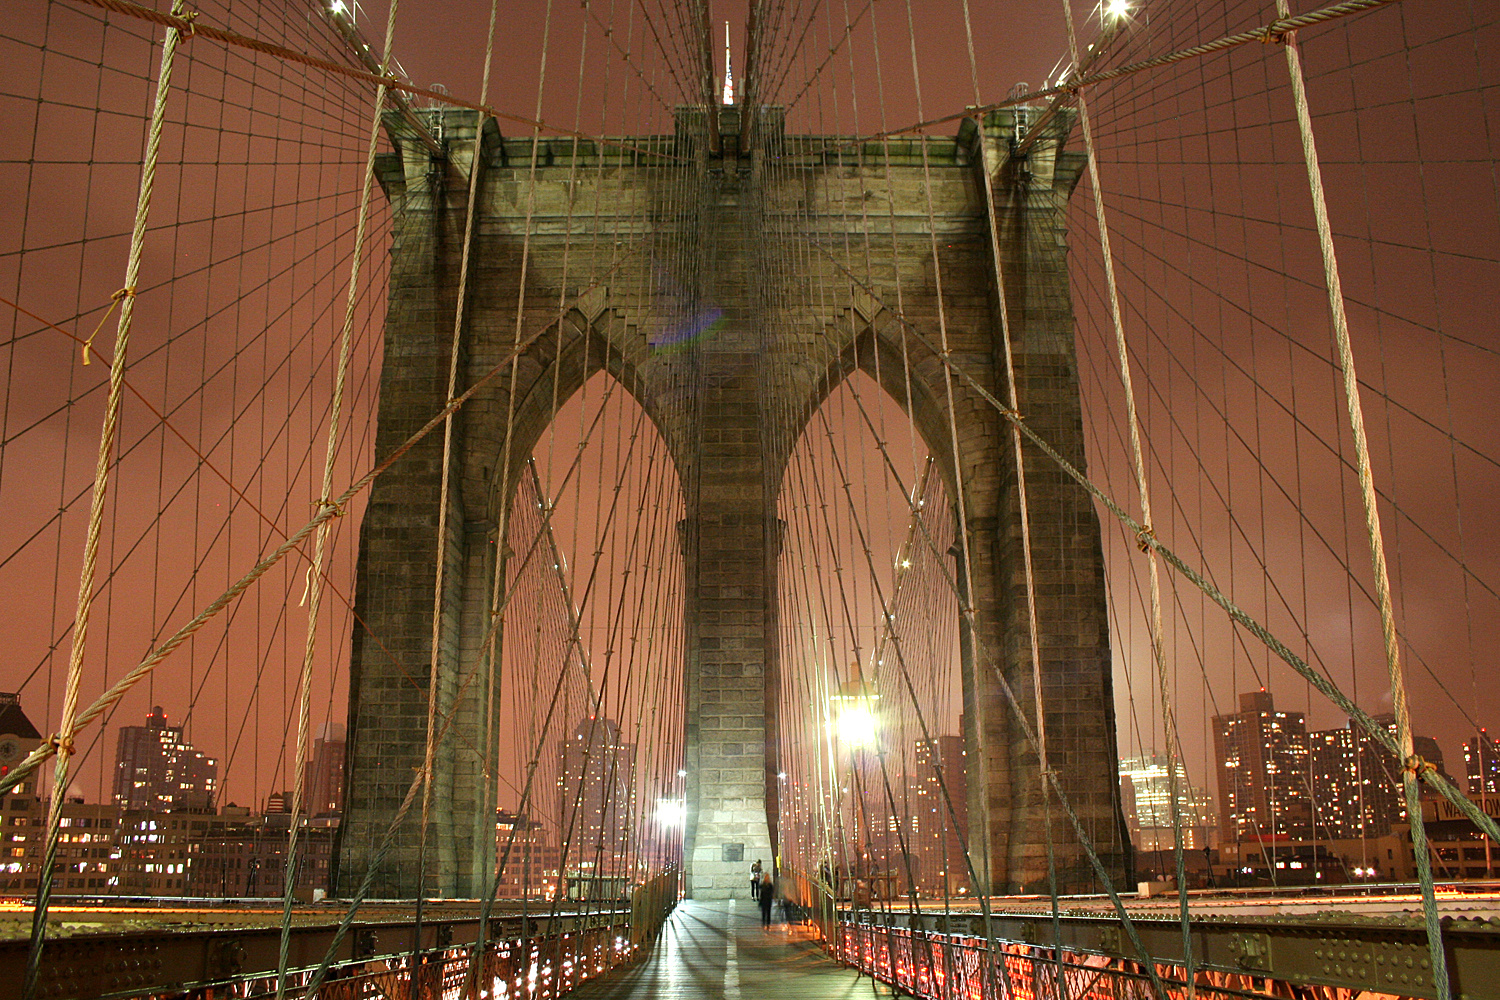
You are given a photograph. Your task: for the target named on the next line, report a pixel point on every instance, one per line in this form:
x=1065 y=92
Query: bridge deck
x=719 y=950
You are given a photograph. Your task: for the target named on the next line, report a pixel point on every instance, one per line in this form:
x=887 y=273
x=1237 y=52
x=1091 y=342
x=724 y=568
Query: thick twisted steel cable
x=62 y=744
x=1411 y=765
x=320 y=542
x=1033 y=631
x=1143 y=494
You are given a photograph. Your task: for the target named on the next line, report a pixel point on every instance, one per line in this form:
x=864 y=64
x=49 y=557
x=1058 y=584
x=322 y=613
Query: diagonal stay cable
x=190 y=27
x=1270 y=32
x=334 y=508
x=1324 y=686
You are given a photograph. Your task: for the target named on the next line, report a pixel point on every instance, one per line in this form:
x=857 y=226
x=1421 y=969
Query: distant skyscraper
x=1482 y=763
x=1356 y=782
x=1263 y=779
x=937 y=845
x=155 y=768
x=323 y=777
x=1355 y=785
x=1342 y=793
x=595 y=796
x=1146 y=790
x=530 y=859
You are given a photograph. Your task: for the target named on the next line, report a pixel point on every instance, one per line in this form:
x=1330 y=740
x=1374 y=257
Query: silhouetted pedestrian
x=767 y=896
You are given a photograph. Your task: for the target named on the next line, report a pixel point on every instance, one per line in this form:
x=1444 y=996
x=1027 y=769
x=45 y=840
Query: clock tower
x=18 y=736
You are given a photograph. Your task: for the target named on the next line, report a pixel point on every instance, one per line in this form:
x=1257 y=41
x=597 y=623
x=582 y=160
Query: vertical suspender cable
x=1044 y=766
x=1158 y=654
x=441 y=542
x=66 y=729
x=985 y=879
x=503 y=502
x=315 y=573
x=1411 y=764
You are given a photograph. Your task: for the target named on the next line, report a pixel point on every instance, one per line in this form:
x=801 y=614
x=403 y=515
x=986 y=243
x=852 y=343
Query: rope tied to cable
x=127 y=292
x=324 y=503
x=62 y=744
x=1416 y=766
x=1145 y=539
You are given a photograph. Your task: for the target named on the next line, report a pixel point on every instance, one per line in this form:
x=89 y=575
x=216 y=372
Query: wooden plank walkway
x=719 y=950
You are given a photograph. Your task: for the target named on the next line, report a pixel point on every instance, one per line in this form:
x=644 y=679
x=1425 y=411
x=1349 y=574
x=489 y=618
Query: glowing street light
x=1117 y=8
x=671 y=812
x=857 y=726
x=854 y=719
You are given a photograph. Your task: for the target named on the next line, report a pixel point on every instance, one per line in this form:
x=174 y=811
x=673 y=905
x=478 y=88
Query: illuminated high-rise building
x=1356 y=782
x=1263 y=775
x=323 y=780
x=939 y=823
x=1146 y=795
x=595 y=796
x=157 y=769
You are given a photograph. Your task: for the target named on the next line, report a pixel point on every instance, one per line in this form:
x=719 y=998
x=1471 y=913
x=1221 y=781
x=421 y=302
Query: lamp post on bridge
x=855 y=726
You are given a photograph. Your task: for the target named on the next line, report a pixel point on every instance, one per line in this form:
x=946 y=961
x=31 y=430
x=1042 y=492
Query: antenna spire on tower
x=728 y=70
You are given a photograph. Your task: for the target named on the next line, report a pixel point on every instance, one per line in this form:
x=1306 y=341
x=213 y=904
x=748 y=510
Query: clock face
x=10 y=749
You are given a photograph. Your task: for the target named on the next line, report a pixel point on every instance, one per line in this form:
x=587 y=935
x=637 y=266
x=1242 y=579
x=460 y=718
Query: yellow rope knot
x=338 y=508
x=189 y=18
x=1144 y=538
x=61 y=744
x=123 y=293
x=1416 y=765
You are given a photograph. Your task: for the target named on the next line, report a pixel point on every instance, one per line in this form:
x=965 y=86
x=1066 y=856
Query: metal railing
x=208 y=954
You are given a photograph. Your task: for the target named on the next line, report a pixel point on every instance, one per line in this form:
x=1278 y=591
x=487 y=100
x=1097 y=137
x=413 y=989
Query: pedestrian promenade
x=718 y=949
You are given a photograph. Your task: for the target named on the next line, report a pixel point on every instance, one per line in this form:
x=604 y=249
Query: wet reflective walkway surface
x=719 y=949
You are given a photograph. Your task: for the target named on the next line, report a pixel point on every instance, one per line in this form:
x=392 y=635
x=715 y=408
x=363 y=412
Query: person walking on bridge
x=755 y=879
x=766 y=894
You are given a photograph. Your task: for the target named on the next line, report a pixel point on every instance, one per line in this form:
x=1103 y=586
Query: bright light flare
x=857 y=726
x=671 y=812
x=1117 y=8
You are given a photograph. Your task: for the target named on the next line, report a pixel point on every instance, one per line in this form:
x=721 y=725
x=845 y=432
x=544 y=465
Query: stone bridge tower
x=725 y=217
